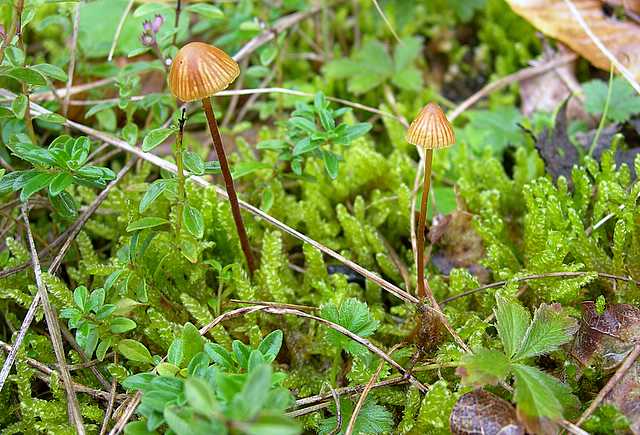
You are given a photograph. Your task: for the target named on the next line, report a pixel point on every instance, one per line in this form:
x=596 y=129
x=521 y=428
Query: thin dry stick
x=49 y=95
x=363 y=397
x=284 y=311
x=75 y=416
x=107 y=415
x=72 y=233
x=177 y=22
x=538 y=276
x=617 y=376
x=336 y=400
x=386 y=20
x=72 y=59
x=279 y=26
x=618 y=65
x=46 y=371
x=523 y=74
x=257 y=91
x=116 y=36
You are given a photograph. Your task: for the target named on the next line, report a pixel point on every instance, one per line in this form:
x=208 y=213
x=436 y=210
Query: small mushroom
x=199 y=71
x=430 y=130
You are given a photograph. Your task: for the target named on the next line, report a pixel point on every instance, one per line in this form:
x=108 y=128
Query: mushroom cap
x=200 y=70
x=431 y=129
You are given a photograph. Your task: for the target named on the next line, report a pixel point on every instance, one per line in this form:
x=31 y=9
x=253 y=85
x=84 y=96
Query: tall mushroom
x=199 y=71
x=430 y=130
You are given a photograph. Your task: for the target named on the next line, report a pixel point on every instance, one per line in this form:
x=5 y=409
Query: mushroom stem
x=428 y=158
x=228 y=181
x=180 y=166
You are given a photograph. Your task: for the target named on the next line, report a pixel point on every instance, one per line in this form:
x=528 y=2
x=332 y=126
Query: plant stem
x=228 y=181
x=177 y=22
x=181 y=192
x=428 y=158
x=28 y=121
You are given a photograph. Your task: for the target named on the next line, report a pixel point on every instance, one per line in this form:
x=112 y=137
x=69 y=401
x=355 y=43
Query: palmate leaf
x=353 y=315
x=550 y=329
x=623 y=104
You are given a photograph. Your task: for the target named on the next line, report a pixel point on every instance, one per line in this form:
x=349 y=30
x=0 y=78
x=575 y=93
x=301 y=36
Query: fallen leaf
x=555 y=148
x=554 y=18
x=626 y=396
x=605 y=339
x=545 y=92
x=480 y=412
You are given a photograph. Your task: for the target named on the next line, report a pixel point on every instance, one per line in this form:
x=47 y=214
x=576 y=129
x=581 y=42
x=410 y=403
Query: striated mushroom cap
x=431 y=129
x=200 y=70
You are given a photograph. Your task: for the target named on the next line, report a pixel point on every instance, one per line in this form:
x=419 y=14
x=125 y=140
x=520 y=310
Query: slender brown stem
x=178 y=10
x=428 y=158
x=228 y=181
x=180 y=175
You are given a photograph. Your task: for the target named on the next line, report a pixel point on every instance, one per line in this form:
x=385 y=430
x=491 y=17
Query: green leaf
x=64 y=204
x=175 y=355
x=270 y=345
x=352 y=132
x=81 y=298
x=200 y=396
x=53 y=118
x=245 y=168
x=551 y=327
x=493 y=129
x=330 y=163
x=535 y=392
x=146 y=222
x=154 y=191
x=120 y=325
x=193 y=221
x=512 y=320
x=303 y=124
x=193 y=162
x=135 y=351
x=193 y=341
x=406 y=53
x=255 y=391
x=207 y=11
x=59 y=183
x=156 y=137
x=272 y=144
x=96 y=300
x=304 y=146
x=484 y=366
x=220 y=355
x=51 y=71
x=354 y=316
x=27 y=76
x=273 y=425
x=623 y=104
x=19 y=105
x=35 y=184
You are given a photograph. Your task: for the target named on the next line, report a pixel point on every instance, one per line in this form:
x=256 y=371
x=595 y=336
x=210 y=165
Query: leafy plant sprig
x=536 y=393
x=97 y=324
x=311 y=131
x=56 y=168
x=204 y=388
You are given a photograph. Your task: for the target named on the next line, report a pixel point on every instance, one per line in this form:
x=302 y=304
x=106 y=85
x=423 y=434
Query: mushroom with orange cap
x=199 y=71
x=430 y=130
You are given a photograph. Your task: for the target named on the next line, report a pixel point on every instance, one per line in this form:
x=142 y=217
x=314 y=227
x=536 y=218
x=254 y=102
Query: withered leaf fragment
x=480 y=412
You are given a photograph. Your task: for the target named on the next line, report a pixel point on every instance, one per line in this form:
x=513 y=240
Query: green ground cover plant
x=132 y=301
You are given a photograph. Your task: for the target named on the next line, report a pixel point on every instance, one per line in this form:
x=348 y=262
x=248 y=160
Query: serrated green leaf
x=551 y=327
x=623 y=104
x=536 y=392
x=512 y=321
x=354 y=316
x=484 y=366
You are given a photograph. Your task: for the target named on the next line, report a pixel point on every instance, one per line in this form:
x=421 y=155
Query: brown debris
x=480 y=412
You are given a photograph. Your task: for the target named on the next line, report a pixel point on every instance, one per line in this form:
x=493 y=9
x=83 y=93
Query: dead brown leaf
x=605 y=339
x=480 y=412
x=553 y=18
